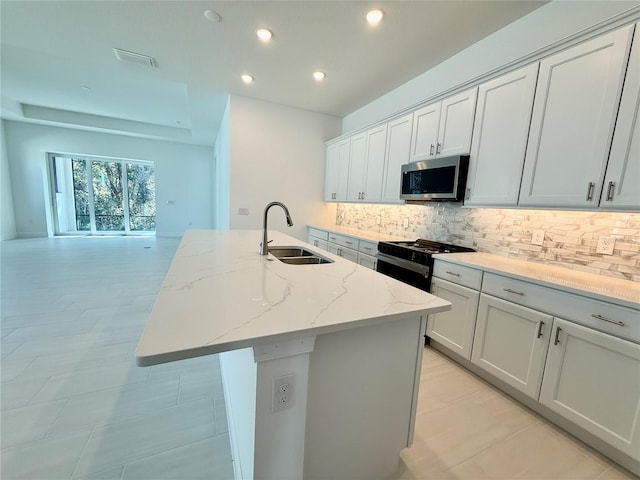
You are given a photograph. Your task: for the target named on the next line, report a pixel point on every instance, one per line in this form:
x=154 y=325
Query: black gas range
x=412 y=261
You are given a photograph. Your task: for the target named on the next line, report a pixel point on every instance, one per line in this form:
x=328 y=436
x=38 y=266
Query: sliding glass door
x=100 y=196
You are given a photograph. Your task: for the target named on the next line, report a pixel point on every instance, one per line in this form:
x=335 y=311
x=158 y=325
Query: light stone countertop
x=220 y=294
x=622 y=292
x=365 y=234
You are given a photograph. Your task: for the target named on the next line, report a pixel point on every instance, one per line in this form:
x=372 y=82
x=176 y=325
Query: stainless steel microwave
x=438 y=179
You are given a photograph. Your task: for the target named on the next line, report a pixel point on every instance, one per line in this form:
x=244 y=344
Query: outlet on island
x=283 y=392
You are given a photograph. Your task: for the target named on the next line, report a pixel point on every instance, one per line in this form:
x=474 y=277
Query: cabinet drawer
x=320 y=234
x=343 y=240
x=467 y=276
x=369 y=248
x=607 y=317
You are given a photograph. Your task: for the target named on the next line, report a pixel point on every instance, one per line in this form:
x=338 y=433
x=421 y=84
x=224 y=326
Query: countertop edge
x=469 y=262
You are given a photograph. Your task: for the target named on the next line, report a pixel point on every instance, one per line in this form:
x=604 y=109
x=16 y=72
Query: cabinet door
x=357 y=166
x=373 y=177
x=456 y=123
x=349 y=254
x=398 y=148
x=511 y=342
x=572 y=123
x=367 y=261
x=500 y=135
x=454 y=328
x=318 y=242
x=593 y=379
x=426 y=121
x=622 y=181
x=337 y=173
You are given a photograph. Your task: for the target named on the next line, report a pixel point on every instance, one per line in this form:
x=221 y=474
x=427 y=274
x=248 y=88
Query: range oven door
x=404 y=270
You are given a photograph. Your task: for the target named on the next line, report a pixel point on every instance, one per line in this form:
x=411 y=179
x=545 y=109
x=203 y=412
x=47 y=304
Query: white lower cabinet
x=511 y=343
x=593 y=379
x=454 y=328
x=367 y=261
x=357 y=250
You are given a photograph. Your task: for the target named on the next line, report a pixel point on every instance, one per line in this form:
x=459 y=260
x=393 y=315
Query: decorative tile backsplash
x=570 y=237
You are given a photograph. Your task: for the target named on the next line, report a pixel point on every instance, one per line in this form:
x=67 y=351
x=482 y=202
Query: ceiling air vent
x=135 y=58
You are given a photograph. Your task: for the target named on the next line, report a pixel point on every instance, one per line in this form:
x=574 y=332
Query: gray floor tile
x=30 y=423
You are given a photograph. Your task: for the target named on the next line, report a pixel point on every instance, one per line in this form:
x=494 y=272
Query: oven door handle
x=402 y=263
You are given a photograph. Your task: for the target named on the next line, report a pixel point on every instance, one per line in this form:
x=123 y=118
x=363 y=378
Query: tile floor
x=75 y=406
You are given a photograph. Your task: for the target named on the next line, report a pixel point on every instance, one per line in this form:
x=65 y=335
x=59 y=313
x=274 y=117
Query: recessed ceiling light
x=319 y=76
x=374 y=17
x=264 y=35
x=246 y=78
x=212 y=16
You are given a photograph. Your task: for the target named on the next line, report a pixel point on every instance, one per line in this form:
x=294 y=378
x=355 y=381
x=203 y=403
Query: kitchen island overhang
x=348 y=335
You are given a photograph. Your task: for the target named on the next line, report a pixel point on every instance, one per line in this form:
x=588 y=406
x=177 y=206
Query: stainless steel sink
x=280 y=252
x=297 y=256
x=305 y=260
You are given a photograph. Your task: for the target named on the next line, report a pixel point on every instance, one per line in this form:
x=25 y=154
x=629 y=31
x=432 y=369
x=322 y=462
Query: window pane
x=142 y=197
x=107 y=195
x=81 y=194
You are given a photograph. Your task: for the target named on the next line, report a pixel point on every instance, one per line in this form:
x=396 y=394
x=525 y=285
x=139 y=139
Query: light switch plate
x=405 y=222
x=538 y=237
x=605 y=245
x=243 y=211
x=378 y=220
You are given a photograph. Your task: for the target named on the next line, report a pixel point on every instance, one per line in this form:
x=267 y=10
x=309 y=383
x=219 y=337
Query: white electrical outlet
x=405 y=222
x=243 y=211
x=605 y=245
x=538 y=237
x=378 y=220
x=284 y=392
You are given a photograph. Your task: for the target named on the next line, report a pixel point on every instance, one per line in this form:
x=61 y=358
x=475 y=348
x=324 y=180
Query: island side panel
x=361 y=402
x=239 y=380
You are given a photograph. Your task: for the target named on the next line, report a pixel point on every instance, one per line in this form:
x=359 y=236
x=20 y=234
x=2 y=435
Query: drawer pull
x=513 y=291
x=540 y=332
x=367 y=248
x=453 y=273
x=348 y=243
x=600 y=317
x=557 y=339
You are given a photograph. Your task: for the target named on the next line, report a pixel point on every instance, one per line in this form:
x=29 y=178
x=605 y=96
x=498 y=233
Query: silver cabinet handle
x=540 y=332
x=438 y=149
x=513 y=291
x=347 y=242
x=590 y=188
x=453 y=273
x=610 y=190
x=431 y=150
x=605 y=319
x=367 y=248
x=467 y=194
x=556 y=341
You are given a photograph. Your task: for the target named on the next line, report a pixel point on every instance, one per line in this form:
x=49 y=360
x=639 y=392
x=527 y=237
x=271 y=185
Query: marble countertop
x=621 y=292
x=220 y=294
x=365 y=234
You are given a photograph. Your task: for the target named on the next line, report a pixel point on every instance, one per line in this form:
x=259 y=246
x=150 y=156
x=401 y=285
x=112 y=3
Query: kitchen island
x=320 y=363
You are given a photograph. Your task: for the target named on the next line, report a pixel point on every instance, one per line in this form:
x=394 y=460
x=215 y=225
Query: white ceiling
x=51 y=49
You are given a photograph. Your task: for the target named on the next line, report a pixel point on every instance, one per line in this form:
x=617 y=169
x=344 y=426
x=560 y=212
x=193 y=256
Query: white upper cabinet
x=425 y=132
x=374 y=172
x=397 y=154
x=367 y=165
x=456 y=123
x=622 y=181
x=337 y=173
x=572 y=123
x=500 y=135
x=357 y=166
x=444 y=128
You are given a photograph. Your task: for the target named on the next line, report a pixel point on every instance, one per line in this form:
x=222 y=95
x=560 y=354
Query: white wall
x=277 y=153
x=7 y=218
x=544 y=26
x=183 y=174
x=220 y=180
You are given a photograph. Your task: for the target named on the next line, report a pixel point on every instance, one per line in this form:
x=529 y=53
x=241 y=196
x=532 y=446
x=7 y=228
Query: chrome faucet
x=264 y=250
